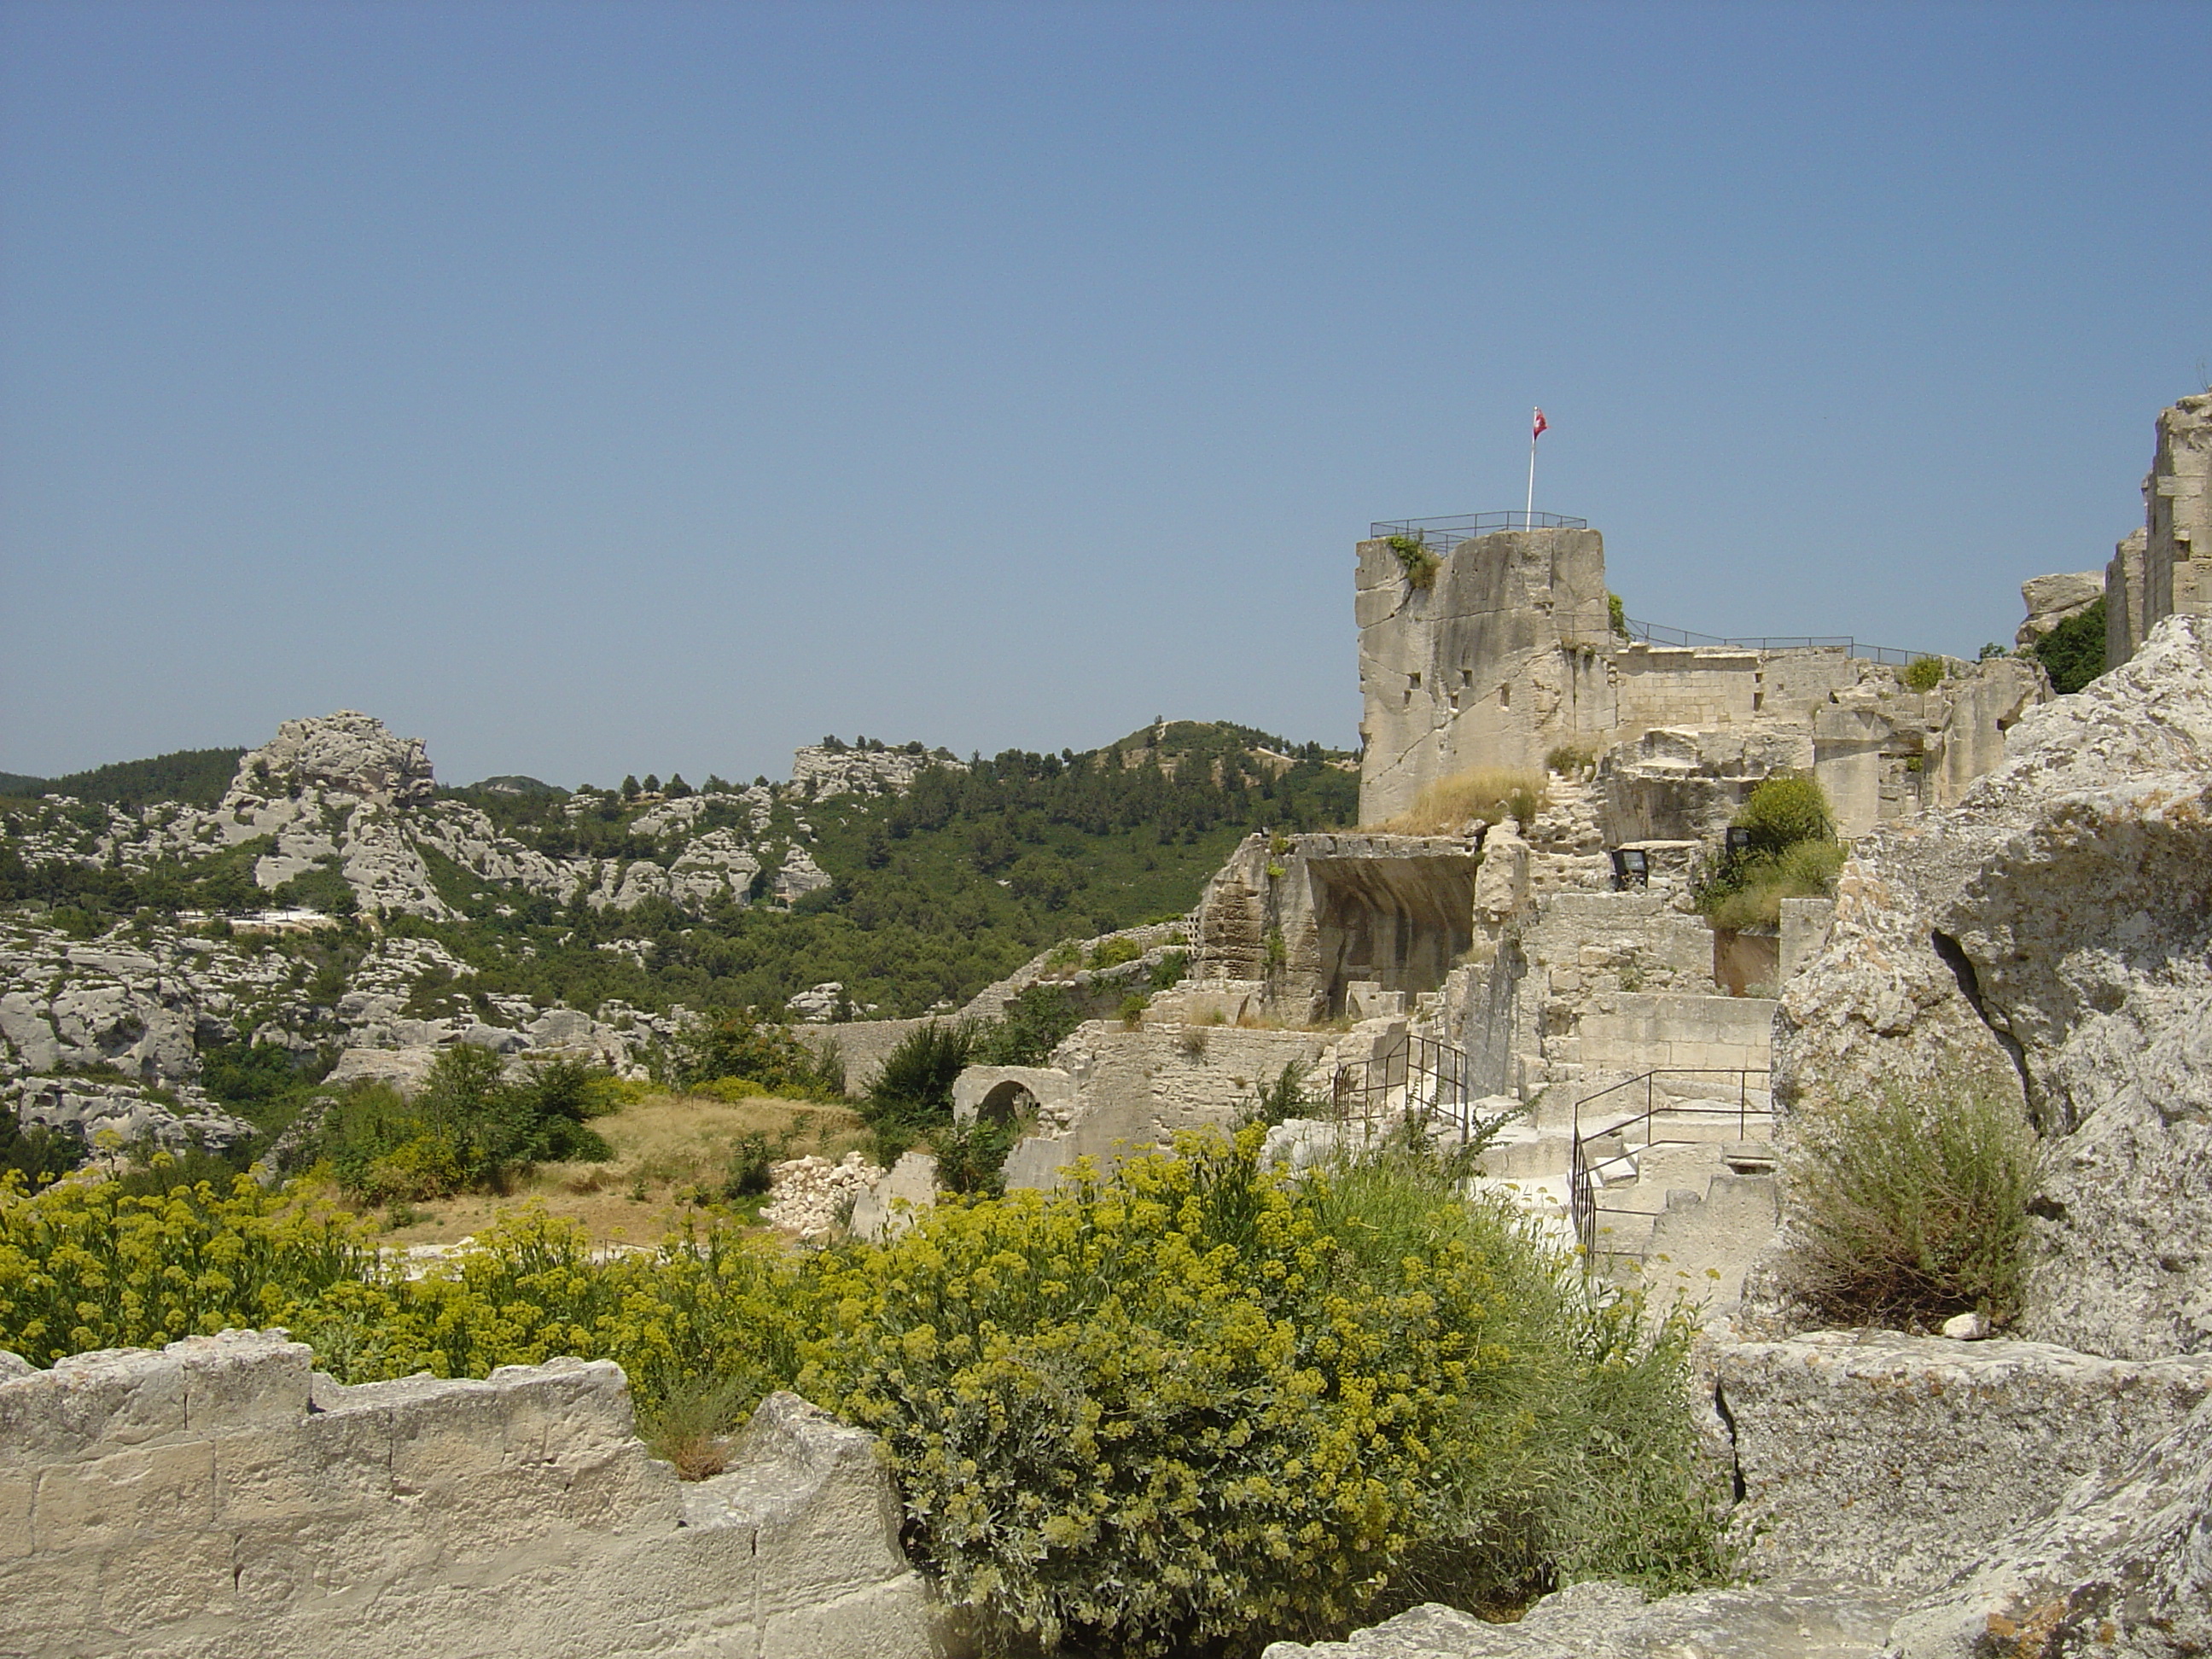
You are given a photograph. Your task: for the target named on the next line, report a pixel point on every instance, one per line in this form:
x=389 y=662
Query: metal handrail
x=1658 y=634
x=1442 y=535
x=1416 y=1073
x=1584 y=1175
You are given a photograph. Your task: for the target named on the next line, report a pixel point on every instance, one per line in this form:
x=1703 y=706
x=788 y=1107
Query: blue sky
x=594 y=389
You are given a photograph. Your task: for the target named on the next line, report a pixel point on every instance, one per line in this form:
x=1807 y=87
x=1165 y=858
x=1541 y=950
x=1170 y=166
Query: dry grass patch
x=1492 y=793
x=668 y=1148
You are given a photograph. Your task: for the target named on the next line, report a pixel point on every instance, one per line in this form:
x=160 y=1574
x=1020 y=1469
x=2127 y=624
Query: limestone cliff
x=2049 y=938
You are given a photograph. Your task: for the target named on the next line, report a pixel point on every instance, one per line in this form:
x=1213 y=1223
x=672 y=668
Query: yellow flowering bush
x=85 y=1266
x=1201 y=1404
x=1193 y=1404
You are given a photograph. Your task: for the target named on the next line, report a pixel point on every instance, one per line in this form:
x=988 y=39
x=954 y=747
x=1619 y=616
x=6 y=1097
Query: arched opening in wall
x=1007 y=1104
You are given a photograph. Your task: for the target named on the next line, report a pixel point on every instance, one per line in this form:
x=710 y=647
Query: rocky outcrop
x=2051 y=938
x=1786 y=1619
x=349 y=752
x=819 y=771
x=2051 y=599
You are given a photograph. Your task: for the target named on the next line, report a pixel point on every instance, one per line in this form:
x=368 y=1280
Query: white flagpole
x=1528 y=514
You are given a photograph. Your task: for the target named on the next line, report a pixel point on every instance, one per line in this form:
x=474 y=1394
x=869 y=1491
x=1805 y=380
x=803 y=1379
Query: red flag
x=1541 y=427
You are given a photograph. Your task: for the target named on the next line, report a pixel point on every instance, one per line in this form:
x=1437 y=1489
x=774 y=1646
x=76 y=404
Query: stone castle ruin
x=1508 y=655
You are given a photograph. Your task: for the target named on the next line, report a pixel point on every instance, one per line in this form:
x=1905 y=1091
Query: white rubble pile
x=813 y=1197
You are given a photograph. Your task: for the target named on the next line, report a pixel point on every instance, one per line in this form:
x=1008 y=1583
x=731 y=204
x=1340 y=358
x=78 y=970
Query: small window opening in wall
x=1467 y=677
x=1414 y=680
x=1504 y=697
x=1757 y=701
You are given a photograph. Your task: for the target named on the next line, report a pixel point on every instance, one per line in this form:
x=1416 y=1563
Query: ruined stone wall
x=1635 y=1032
x=1508 y=656
x=1521 y=1016
x=1658 y=685
x=1494 y=664
x=2177 y=514
x=2124 y=599
x=1134 y=1091
x=1306 y=915
x=218 y=1497
x=2164 y=569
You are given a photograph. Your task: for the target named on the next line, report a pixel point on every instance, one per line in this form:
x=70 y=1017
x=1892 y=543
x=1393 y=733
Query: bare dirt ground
x=672 y=1153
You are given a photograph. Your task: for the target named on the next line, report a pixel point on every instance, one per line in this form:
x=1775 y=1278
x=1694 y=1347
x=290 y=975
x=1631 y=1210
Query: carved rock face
x=2051 y=937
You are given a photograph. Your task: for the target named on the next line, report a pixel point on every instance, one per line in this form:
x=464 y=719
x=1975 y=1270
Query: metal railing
x=1417 y=1075
x=1586 y=1173
x=1441 y=536
x=1657 y=634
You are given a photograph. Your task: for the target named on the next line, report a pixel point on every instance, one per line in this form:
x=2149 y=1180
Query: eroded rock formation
x=2052 y=938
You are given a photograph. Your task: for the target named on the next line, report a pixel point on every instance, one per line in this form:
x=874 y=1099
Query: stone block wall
x=219 y=1497
x=1136 y=1090
x=2164 y=569
x=1900 y=1461
x=1494 y=664
x=1632 y=1031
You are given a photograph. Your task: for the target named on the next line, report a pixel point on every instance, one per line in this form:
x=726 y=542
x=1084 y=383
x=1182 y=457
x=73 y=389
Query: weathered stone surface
x=217 y=1499
x=2051 y=939
x=1309 y=915
x=2123 y=1568
x=1899 y=1461
x=819 y=772
x=2051 y=599
x=1788 y=1619
x=348 y=752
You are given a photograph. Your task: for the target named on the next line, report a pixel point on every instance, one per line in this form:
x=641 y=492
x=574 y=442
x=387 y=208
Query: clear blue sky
x=594 y=389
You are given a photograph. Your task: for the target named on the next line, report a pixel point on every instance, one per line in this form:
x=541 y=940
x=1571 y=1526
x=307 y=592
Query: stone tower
x=1495 y=661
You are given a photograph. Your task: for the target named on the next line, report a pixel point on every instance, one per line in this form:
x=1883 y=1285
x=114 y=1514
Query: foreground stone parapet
x=1899 y=1461
x=1794 y=1620
x=2124 y=1570
x=220 y=1497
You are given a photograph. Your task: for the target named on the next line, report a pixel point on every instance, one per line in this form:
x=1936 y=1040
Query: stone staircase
x=1687 y=1195
x=1567 y=841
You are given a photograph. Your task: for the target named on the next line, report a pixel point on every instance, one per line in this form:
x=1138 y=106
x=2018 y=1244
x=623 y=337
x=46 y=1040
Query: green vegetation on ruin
x=2073 y=653
x=1193 y=1405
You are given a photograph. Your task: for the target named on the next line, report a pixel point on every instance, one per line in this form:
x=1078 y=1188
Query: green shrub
x=742 y=1045
x=1194 y=1403
x=971 y=1158
x=1282 y=1099
x=1200 y=1406
x=38 y=1153
x=1569 y=758
x=912 y=1090
x=1416 y=559
x=1925 y=673
x=1034 y=1024
x=471 y=1126
x=749 y=1162
x=1910 y=1207
x=1616 y=616
x=1113 y=952
x=1793 y=855
x=1784 y=810
x=727 y=1089
x=2073 y=653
